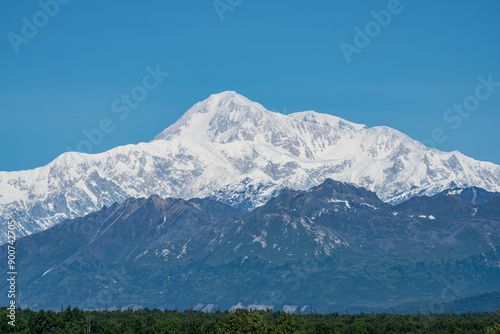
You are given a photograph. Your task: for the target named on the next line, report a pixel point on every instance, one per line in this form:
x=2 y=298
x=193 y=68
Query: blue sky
x=62 y=79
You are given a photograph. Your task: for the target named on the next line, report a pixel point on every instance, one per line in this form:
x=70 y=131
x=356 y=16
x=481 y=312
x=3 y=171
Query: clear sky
x=62 y=71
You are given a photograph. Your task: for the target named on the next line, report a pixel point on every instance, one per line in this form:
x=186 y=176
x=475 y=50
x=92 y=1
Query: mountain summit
x=236 y=151
x=218 y=119
x=229 y=117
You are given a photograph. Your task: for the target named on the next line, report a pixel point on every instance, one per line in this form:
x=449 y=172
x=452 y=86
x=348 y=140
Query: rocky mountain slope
x=233 y=150
x=474 y=195
x=333 y=246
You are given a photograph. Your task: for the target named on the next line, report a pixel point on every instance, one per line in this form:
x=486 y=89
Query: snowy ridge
x=234 y=150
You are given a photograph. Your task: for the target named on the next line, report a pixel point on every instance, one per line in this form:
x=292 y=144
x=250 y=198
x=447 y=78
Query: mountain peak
x=228 y=95
x=216 y=118
x=228 y=116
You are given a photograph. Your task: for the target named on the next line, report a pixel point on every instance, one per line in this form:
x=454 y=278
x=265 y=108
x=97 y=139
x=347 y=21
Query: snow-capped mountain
x=234 y=150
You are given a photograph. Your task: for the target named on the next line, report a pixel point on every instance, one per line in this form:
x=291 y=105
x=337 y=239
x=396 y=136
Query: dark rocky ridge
x=335 y=246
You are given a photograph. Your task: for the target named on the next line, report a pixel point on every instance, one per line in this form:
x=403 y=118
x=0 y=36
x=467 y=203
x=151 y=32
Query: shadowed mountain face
x=233 y=150
x=447 y=207
x=333 y=246
x=473 y=195
x=490 y=208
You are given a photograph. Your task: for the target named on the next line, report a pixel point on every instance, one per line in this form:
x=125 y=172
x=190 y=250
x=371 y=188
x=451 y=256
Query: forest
x=145 y=321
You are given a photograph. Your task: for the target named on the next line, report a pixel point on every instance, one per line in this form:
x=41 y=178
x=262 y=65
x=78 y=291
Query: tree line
x=144 y=321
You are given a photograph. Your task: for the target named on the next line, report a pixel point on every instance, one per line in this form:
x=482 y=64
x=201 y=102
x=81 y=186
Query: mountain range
x=331 y=247
x=230 y=149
